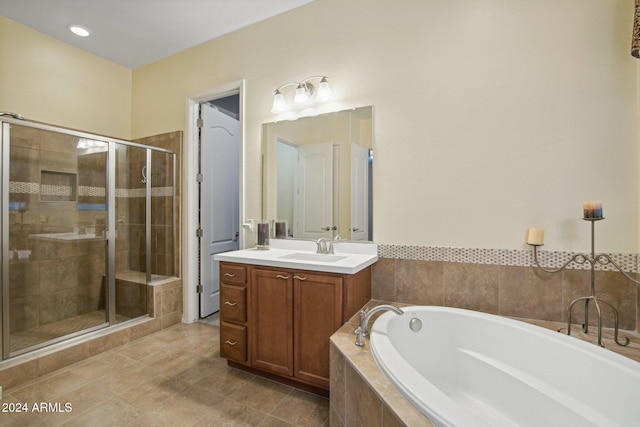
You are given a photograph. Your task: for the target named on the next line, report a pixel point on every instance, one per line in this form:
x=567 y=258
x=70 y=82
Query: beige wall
x=49 y=81
x=490 y=116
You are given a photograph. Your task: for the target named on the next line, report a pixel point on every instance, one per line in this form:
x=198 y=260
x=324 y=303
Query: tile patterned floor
x=174 y=377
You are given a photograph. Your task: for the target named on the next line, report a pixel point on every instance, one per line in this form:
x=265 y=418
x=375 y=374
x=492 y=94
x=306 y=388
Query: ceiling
x=134 y=33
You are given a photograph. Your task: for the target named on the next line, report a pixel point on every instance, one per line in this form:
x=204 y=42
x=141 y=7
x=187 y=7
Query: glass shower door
x=131 y=182
x=87 y=224
x=54 y=214
x=163 y=240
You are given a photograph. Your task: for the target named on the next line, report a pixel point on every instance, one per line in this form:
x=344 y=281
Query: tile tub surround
x=502 y=282
x=359 y=392
x=354 y=372
x=165 y=310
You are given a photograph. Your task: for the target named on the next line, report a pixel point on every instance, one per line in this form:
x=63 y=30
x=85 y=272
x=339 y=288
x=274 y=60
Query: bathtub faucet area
x=362 y=330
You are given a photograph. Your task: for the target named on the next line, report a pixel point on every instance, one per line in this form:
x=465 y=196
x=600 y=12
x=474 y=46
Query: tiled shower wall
x=502 y=282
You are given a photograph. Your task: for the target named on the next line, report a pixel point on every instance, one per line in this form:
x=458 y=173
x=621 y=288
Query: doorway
x=219 y=192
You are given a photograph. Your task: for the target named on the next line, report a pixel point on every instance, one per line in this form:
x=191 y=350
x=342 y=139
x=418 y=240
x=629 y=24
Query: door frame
x=191 y=298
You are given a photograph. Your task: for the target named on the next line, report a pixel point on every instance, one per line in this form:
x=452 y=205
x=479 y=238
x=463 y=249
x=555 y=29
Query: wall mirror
x=316 y=180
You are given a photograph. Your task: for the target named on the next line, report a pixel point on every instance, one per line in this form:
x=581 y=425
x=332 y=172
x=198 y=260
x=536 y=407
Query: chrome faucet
x=362 y=331
x=325 y=246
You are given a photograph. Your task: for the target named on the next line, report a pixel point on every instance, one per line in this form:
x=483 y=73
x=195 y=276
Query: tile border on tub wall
x=507 y=257
x=503 y=282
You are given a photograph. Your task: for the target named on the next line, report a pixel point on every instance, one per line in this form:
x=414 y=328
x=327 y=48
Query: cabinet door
x=317 y=315
x=272 y=311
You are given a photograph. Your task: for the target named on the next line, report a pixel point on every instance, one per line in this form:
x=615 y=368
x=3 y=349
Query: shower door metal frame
x=147 y=219
x=4 y=252
x=110 y=236
x=109 y=233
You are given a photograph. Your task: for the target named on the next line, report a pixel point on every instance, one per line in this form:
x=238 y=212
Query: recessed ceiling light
x=79 y=30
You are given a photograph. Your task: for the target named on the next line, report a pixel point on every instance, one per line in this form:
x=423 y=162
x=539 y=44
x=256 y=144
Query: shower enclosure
x=87 y=227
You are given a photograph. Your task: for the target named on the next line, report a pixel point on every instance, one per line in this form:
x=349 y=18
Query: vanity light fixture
x=304 y=92
x=79 y=30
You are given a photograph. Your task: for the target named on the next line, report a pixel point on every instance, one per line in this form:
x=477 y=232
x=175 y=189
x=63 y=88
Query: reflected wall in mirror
x=317 y=175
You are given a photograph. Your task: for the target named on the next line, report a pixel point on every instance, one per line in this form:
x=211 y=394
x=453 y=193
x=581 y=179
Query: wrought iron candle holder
x=592 y=259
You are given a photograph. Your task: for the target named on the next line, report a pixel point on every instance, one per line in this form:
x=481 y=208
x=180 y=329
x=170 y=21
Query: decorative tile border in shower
x=16 y=187
x=506 y=257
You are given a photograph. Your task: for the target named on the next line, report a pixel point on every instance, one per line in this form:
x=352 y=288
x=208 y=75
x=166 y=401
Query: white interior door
x=220 y=159
x=287 y=170
x=359 y=192
x=314 y=207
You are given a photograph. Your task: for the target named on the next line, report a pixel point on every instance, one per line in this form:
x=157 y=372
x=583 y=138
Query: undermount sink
x=304 y=256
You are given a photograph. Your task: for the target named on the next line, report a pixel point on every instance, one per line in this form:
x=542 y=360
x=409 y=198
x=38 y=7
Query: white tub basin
x=466 y=368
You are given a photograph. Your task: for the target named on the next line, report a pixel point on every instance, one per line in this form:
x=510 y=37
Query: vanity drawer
x=233 y=273
x=233 y=342
x=233 y=303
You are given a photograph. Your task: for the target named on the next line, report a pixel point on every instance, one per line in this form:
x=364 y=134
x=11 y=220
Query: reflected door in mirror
x=359 y=192
x=313 y=217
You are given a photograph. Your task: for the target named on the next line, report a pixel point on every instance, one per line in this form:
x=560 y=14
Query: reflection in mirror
x=317 y=175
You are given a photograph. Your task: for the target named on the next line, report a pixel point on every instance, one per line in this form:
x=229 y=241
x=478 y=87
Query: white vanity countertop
x=348 y=257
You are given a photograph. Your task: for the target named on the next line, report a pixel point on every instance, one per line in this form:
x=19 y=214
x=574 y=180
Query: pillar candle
x=598 y=209
x=263 y=234
x=535 y=236
x=281 y=229
x=592 y=209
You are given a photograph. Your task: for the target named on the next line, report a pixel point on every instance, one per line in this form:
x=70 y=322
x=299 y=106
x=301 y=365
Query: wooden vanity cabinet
x=291 y=314
x=294 y=314
x=233 y=312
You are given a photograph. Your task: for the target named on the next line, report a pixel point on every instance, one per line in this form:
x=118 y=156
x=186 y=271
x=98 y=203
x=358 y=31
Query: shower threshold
x=59 y=330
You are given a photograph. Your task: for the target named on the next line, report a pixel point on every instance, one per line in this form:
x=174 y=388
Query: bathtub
x=465 y=368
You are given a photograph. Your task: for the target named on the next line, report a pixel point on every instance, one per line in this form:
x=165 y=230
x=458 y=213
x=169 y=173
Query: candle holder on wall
x=592 y=259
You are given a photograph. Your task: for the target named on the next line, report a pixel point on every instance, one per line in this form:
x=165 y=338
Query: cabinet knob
x=231 y=342
x=280 y=276
x=299 y=278
x=229 y=275
x=231 y=303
